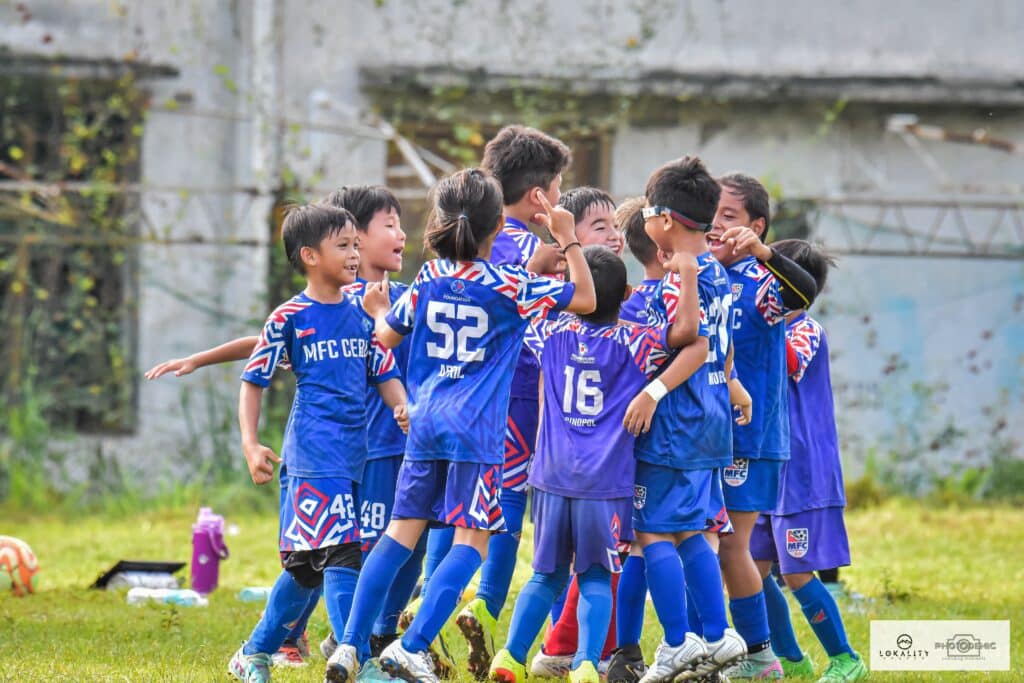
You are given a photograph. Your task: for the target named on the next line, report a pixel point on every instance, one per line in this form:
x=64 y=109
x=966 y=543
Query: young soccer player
x=583 y=470
x=765 y=286
x=467 y=318
x=328 y=339
x=806 y=533
x=681 y=445
x=630 y=217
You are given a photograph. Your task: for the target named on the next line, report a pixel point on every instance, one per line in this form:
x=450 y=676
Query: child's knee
x=797 y=581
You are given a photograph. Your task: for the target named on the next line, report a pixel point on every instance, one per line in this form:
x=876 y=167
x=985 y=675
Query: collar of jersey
x=515 y=223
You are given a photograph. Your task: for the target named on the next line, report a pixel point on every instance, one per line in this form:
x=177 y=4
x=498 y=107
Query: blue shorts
x=520 y=438
x=581 y=531
x=377 y=498
x=667 y=500
x=463 y=494
x=805 y=542
x=317 y=513
x=720 y=522
x=752 y=485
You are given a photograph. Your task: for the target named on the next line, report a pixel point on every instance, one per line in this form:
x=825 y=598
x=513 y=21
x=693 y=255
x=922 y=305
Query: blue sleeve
x=271 y=350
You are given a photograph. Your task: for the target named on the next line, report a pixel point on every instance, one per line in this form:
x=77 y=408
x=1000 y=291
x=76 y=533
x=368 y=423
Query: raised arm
x=641 y=408
x=258 y=457
x=236 y=349
x=562 y=226
x=685 y=328
x=796 y=286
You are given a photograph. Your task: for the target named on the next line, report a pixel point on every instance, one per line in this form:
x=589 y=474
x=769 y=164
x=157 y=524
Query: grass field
x=910 y=562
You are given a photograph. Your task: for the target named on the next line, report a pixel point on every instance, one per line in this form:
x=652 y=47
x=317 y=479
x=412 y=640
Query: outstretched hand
x=179 y=366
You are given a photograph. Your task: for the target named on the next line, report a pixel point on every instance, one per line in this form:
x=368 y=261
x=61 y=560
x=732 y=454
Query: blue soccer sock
x=446 y=585
x=401 y=590
x=696 y=625
x=497 y=570
x=667 y=583
x=556 y=608
x=300 y=626
x=822 y=613
x=750 y=617
x=339 y=587
x=285 y=605
x=378 y=574
x=631 y=602
x=593 y=614
x=704 y=585
x=531 y=608
x=779 y=624
x=439 y=542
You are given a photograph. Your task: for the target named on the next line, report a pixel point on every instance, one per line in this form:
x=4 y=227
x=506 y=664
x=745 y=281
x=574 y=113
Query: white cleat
x=550 y=666
x=670 y=662
x=342 y=666
x=412 y=667
x=722 y=653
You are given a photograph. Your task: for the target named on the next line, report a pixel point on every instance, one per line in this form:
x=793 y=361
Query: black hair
x=685 y=185
x=755 y=196
x=308 y=226
x=522 y=158
x=363 y=201
x=630 y=218
x=610 y=281
x=812 y=258
x=578 y=201
x=467 y=210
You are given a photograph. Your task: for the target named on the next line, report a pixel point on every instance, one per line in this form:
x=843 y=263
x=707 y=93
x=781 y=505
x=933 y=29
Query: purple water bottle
x=208 y=550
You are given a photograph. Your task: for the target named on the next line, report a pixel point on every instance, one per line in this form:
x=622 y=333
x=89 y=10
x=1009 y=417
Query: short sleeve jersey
x=467 y=320
x=634 y=309
x=591 y=373
x=334 y=356
x=692 y=428
x=813 y=477
x=759 y=333
x=385 y=438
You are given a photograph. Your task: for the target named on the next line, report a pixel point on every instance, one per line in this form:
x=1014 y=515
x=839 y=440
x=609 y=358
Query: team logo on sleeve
x=639 y=497
x=797 y=542
x=736 y=473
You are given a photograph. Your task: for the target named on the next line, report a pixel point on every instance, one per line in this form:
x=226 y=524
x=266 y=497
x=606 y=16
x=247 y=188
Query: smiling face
x=336 y=259
x=382 y=244
x=731 y=213
x=598 y=227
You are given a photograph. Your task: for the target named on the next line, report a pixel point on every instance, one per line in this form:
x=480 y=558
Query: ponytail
x=467 y=208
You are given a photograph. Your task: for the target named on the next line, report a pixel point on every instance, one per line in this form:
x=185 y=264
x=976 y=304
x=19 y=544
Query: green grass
x=910 y=562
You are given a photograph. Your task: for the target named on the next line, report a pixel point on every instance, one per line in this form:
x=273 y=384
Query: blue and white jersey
x=634 y=309
x=591 y=373
x=334 y=355
x=385 y=438
x=760 y=358
x=692 y=428
x=467 y=321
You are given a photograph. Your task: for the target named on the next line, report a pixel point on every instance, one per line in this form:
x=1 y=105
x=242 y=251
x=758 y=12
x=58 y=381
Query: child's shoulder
x=288 y=309
x=750 y=268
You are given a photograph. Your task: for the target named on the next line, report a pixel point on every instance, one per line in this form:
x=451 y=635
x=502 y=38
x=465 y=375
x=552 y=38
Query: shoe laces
x=291 y=653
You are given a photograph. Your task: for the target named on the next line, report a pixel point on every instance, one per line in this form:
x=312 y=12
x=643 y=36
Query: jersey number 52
x=458 y=326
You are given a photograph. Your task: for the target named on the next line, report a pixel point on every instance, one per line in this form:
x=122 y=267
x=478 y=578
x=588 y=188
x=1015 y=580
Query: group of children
x=654 y=427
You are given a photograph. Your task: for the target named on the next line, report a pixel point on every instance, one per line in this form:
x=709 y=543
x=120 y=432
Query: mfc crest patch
x=639 y=496
x=736 y=473
x=797 y=542
x=737 y=289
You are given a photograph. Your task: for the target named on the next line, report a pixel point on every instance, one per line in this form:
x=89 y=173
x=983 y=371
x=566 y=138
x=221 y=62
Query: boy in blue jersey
x=805 y=532
x=765 y=286
x=583 y=470
x=328 y=340
x=467 y=318
x=630 y=218
x=682 y=444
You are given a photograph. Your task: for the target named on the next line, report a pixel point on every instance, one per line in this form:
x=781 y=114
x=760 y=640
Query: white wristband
x=656 y=390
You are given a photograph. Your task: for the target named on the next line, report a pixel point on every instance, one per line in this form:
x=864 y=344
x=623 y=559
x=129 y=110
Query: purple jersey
x=692 y=428
x=813 y=477
x=760 y=359
x=634 y=310
x=334 y=355
x=467 y=321
x=591 y=373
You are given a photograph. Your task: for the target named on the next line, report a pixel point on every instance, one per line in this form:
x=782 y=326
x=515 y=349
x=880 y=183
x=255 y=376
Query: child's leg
x=594 y=613
x=783 y=637
x=288 y=598
x=439 y=542
x=401 y=590
x=496 y=573
x=822 y=613
x=667 y=584
x=609 y=636
x=531 y=608
x=632 y=599
x=300 y=626
x=556 y=609
x=563 y=637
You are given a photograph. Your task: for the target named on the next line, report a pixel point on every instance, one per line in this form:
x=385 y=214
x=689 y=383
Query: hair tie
x=464 y=215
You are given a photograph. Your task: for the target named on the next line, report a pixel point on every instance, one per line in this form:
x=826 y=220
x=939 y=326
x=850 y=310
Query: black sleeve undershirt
x=796 y=286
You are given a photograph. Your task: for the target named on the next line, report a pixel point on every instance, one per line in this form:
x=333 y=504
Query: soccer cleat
x=626 y=665
x=412 y=667
x=343 y=666
x=328 y=645
x=756 y=670
x=287 y=655
x=302 y=645
x=544 y=665
x=370 y=672
x=250 y=668
x=584 y=673
x=670 y=661
x=803 y=668
x=505 y=669
x=408 y=614
x=722 y=653
x=477 y=627
x=843 y=668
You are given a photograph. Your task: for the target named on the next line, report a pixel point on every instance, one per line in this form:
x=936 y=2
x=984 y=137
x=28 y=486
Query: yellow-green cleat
x=584 y=673
x=505 y=669
x=804 y=668
x=844 y=668
x=478 y=627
